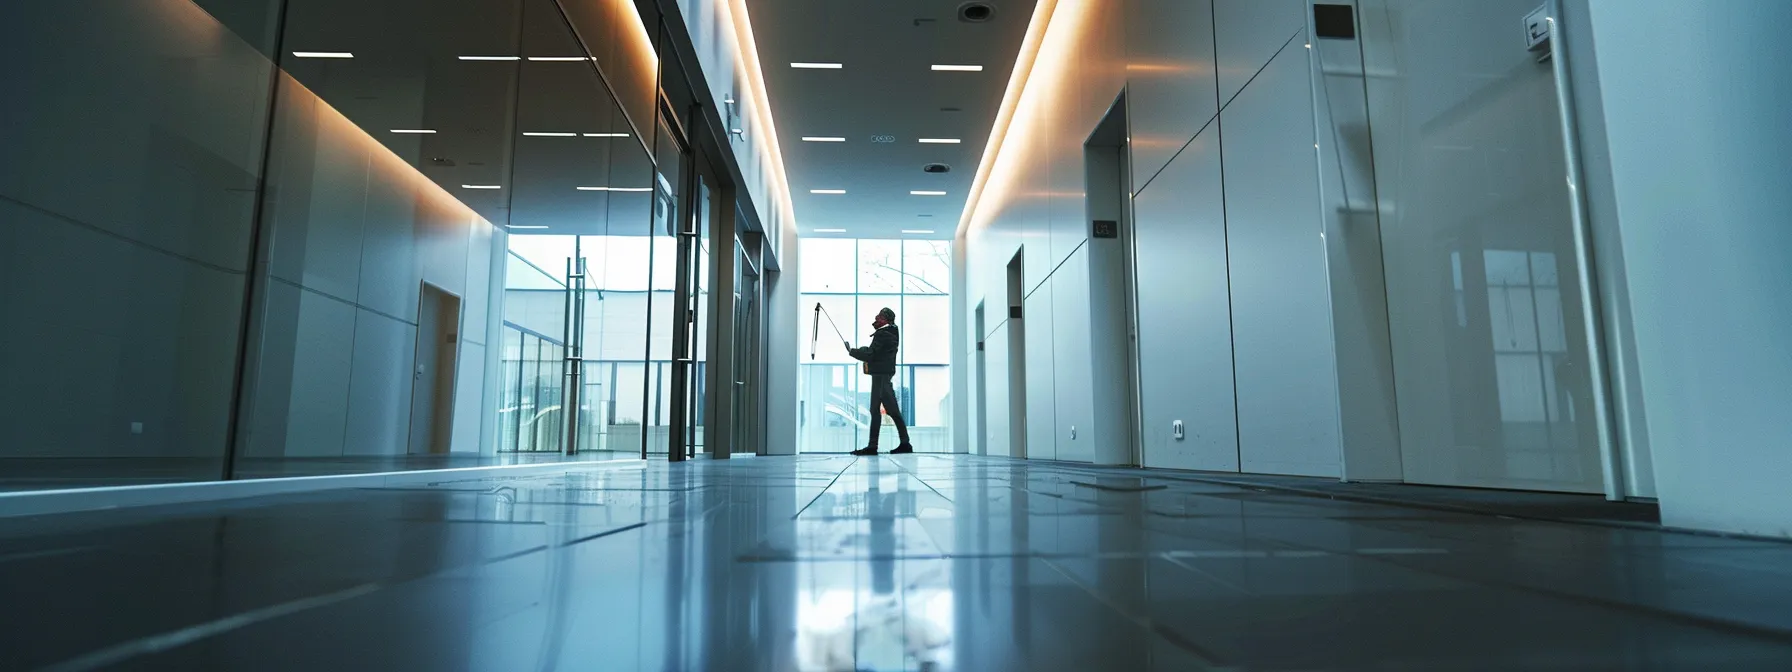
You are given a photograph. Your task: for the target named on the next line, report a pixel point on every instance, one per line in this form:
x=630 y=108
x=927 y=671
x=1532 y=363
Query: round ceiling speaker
x=976 y=12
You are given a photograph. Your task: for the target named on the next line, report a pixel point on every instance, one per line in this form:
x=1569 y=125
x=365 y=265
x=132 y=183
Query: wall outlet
x=1176 y=429
x=136 y=428
x=1073 y=432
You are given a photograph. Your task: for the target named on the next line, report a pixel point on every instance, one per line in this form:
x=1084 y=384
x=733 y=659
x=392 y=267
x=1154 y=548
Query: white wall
x=1228 y=235
x=1701 y=155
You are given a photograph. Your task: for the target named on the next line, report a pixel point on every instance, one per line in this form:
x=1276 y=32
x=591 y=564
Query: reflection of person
x=880 y=363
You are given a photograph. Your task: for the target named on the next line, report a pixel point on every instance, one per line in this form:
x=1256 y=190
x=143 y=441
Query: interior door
x=746 y=353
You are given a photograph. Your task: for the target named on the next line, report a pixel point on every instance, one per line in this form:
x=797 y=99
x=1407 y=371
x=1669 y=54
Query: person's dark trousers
x=883 y=396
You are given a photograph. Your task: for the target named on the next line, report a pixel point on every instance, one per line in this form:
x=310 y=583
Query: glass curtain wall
x=851 y=280
x=303 y=212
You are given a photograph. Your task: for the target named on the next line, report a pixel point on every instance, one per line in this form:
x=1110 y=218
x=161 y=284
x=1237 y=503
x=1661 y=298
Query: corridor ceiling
x=881 y=102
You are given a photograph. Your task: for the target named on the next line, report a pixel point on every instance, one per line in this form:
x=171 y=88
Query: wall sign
x=1107 y=228
x=883 y=139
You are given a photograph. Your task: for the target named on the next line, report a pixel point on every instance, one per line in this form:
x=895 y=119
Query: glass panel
x=829 y=265
x=393 y=161
x=880 y=266
x=1468 y=161
x=926 y=267
x=926 y=329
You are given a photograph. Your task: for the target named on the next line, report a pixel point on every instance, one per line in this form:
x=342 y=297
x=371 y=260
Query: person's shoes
x=867 y=451
x=903 y=449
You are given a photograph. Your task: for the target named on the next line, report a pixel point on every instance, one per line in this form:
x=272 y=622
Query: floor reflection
x=894 y=563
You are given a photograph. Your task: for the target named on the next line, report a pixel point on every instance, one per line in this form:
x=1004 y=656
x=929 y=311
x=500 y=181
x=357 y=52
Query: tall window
x=851 y=280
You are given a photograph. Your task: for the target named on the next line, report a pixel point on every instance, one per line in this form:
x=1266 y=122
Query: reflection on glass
x=1476 y=233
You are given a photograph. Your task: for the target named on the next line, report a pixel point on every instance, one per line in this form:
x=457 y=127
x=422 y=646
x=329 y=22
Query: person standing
x=880 y=364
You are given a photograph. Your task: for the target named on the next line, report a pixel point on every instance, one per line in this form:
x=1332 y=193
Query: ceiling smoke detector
x=975 y=12
x=936 y=168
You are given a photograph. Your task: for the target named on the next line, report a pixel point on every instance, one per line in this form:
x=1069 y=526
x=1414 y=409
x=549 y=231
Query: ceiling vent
x=976 y=12
x=936 y=168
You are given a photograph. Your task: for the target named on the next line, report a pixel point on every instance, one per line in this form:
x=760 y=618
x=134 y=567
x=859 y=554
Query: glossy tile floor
x=890 y=563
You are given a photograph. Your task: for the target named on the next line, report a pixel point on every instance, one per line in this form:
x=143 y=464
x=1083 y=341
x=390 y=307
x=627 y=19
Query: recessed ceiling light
x=606 y=135
x=625 y=189
x=817 y=66
x=323 y=54
x=481 y=186
x=521 y=226
x=958 y=68
x=414 y=131
x=827 y=191
x=918 y=231
x=927 y=193
x=940 y=141
x=557 y=59
x=822 y=138
x=830 y=230
x=491 y=58
x=549 y=134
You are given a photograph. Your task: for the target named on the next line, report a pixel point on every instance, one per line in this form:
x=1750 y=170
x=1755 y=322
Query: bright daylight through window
x=852 y=279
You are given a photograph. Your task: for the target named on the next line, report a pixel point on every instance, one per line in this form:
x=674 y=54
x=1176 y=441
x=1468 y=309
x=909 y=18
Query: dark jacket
x=880 y=356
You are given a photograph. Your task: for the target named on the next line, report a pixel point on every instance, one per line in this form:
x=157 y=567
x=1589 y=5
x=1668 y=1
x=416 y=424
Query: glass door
x=668 y=318
x=746 y=351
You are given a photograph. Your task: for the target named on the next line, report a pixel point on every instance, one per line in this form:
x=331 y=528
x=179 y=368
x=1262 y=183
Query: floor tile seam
x=923 y=481
x=1204 y=659
x=165 y=641
x=1733 y=626
x=830 y=486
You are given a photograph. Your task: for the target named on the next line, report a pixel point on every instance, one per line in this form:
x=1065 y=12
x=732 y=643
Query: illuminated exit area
x=852 y=279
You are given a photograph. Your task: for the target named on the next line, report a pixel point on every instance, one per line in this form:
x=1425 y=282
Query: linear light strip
x=481 y=186
x=940 y=141
x=558 y=59
x=323 y=54
x=622 y=189
x=827 y=191
x=830 y=230
x=490 y=58
x=1017 y=83
x=414 y=131
x=927 y=193
x=958 y=68
x=817 y=66
x=549 y=134
x=823 y=138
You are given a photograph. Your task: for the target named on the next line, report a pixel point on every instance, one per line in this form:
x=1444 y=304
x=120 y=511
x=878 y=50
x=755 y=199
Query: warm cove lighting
x=322 y=54
x=817 y=66
x=958 y=68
